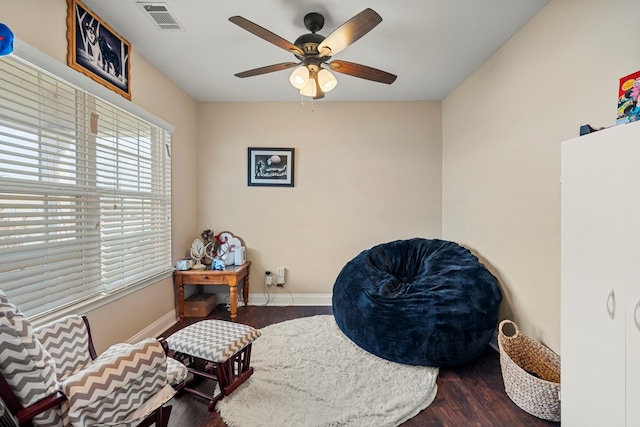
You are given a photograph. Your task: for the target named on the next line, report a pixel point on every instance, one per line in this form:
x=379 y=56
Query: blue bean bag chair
x=418 y=302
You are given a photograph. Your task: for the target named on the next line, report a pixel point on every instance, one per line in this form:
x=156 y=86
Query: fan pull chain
x=312 y=103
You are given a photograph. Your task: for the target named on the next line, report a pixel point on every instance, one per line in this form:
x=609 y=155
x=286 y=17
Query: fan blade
x=349 y=32
x=267 y=69
x=265 y=34
x=362 y=71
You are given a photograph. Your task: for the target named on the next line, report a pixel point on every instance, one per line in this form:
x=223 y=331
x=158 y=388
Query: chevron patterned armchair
x=50 y=376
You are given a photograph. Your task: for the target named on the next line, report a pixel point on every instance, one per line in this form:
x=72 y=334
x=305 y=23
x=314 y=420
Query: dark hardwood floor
x=468 y=396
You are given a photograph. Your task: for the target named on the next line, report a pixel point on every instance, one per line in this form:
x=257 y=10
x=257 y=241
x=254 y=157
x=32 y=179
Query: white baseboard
x=156 y=328
x=278 y=298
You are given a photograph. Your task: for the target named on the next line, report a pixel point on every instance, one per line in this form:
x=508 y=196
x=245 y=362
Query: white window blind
x=85 y=193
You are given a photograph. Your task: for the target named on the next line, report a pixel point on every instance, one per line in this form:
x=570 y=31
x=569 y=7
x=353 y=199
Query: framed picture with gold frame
x=96 y=50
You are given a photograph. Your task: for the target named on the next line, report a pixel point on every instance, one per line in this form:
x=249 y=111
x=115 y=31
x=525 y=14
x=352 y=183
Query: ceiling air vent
x=160 y=15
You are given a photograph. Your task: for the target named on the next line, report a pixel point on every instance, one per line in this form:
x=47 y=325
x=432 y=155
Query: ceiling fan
x=313 y=51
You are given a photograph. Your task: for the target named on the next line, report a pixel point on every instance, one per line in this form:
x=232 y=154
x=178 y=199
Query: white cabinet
x=600 y=260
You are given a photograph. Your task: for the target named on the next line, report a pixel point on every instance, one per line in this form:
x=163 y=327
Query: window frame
x=48 y=65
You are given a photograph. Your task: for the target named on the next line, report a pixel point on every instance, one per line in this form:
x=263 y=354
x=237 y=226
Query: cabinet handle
x=636 y=318
x=611 y=304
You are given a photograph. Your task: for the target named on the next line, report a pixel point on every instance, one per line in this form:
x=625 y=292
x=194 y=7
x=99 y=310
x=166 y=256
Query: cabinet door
x=593 y=256
x=632 y=180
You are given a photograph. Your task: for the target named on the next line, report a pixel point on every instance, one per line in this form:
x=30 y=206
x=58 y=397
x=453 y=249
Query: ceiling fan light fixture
x=299 y=77
x=310 y=89
x=326 y=80
x=313 y=52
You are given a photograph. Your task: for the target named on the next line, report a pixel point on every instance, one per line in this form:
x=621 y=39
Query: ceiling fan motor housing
x=309 y=44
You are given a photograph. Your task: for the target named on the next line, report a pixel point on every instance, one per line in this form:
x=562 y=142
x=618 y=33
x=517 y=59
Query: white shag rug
x=307 y=373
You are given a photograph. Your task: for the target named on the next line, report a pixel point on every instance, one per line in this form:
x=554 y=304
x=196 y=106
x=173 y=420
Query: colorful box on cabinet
x=628 y=92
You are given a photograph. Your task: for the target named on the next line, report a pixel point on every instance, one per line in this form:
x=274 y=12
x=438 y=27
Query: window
x=85 y=194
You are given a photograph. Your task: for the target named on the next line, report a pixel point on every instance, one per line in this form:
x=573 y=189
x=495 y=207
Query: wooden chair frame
x=229 y=374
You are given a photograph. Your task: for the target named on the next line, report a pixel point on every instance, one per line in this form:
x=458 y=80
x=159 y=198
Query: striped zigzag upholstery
x=67 y=341
x=120 y=387
x=176 y=371
x=28 y=368
x=213 y=340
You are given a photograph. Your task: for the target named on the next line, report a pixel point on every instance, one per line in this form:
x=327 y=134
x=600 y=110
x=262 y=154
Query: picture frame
x=96 y=50
x=271 y=167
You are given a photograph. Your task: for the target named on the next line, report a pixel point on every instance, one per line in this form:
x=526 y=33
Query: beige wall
x=365 y=173
x=42 y=24
x=372 y=173
x=502 y=130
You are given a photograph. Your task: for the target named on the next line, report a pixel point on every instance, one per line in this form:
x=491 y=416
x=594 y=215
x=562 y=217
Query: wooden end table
x=230 y=276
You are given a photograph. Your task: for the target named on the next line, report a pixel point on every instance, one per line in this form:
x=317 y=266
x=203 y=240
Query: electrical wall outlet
x=280 y=276
x=268 y=278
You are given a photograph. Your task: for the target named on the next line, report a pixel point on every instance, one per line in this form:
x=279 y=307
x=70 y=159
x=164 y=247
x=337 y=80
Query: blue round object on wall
x=6 y=40
x=418 y=301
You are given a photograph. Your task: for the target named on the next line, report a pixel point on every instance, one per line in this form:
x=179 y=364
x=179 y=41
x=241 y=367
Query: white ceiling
x=431 y=45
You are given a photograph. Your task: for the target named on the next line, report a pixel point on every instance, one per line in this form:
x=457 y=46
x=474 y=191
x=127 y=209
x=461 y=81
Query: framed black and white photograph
x=272 y=167
x=96 y=50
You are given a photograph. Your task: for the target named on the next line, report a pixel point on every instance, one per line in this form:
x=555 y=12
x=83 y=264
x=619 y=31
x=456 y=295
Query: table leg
x=180 y=297
x=245 y=290
x=233 y=299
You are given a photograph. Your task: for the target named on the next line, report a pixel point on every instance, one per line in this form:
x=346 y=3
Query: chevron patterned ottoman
x=215 y=349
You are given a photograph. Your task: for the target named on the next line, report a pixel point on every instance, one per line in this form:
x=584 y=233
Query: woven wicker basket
x=531 y=374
